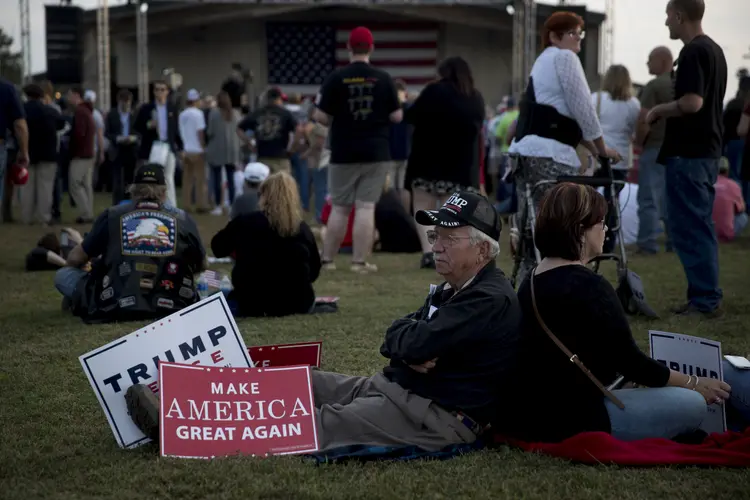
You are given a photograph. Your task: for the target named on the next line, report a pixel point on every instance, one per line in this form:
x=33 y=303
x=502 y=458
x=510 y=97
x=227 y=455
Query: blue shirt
x=161 y=111
x=10 y=107
x=125 y=121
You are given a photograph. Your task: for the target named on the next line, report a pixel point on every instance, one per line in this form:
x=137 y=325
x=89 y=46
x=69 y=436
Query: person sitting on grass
x=581 y=309
x=145 y=256
x=450 y=360
x=276 y=256
x=246 y=203
x=50 y=252
x=395 y=231
x=729 y=215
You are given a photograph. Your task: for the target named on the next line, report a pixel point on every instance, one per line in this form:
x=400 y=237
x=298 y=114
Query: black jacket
x=113 y=129
x=475 y=335
x=272 y=275
x=43 y=121
x=148 y=136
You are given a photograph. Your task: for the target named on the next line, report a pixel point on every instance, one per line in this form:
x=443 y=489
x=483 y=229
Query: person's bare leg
x=424 y=201
x=364 y=227
x=335 y=231
x=405 y=199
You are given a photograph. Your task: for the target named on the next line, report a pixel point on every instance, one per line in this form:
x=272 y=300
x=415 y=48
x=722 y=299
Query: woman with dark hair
x=447 y=118
x=556 y=116
x=564 y=298
x=223 y=147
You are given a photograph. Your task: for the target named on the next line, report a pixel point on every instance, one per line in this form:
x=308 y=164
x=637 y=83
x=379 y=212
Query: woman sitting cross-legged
x=580 y=308
x=276 y=257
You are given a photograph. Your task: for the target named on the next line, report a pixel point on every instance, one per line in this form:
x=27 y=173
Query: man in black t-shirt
x=359 y=102
x=274 y=128
x=691 y=150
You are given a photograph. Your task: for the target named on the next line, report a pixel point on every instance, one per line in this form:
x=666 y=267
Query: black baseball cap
x=150 y=173
x=464 y=208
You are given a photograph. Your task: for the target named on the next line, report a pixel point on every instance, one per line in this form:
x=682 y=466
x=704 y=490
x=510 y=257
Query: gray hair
x=476 y=237
x=148 y=192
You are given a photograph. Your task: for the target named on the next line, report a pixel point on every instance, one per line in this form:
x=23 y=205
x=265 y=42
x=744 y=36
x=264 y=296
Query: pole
x=530 y=22
x=25 y=41
x=103 y=55
x=141 y=28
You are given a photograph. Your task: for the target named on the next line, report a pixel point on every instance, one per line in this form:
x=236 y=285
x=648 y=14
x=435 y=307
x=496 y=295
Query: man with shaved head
x=651 y=207
x=691 y=152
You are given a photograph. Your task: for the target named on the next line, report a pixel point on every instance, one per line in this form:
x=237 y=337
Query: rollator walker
x=630 y=287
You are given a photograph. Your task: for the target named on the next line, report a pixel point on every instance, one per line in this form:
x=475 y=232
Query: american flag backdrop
x=302 y=55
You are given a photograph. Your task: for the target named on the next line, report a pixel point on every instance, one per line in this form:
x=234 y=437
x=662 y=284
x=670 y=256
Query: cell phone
x=738 y=362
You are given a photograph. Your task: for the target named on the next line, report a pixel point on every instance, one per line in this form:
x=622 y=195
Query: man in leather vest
x=145 y=256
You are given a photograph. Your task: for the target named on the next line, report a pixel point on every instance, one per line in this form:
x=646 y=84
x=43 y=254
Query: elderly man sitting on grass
x=449 y=361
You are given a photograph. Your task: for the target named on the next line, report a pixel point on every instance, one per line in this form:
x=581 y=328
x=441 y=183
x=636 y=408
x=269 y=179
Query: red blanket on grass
x=731 y=449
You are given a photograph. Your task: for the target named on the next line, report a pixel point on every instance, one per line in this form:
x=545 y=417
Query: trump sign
x=213 y=412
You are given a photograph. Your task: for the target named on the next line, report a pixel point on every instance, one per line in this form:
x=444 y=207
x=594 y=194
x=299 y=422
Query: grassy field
x=55 y=441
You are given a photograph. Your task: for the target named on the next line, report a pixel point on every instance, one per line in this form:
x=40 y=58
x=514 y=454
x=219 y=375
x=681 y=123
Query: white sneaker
x=217 y=211
x=364 y=268
x=329 y=266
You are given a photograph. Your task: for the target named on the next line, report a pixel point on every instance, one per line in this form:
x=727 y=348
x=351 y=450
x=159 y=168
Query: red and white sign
x=213 y=412
x=300 y=353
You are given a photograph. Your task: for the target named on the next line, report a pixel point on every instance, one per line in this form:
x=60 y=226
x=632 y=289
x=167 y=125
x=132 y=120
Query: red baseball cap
x=360 y=37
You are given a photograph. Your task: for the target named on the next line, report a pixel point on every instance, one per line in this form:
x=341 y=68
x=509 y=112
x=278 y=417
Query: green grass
x=55 y=441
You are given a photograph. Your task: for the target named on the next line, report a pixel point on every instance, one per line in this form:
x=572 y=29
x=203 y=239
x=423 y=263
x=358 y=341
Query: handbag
x=159 y=153
x=572 y=357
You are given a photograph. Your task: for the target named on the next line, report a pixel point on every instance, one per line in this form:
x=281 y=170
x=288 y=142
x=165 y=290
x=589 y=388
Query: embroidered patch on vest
x=149 y=233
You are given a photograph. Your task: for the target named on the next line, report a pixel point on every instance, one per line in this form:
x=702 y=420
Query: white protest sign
x=204 y=334
x=692 y=356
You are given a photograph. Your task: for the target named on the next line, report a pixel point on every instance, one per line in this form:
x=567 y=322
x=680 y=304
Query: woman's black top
x=445 y=142
x=272 y=275
x=556 y=399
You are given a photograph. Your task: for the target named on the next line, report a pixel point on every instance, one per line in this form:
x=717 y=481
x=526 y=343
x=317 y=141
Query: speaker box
x=64 y=29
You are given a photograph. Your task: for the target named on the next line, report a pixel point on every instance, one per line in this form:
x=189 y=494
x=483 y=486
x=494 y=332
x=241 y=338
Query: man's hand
x=22 y=159
x=654 y=114
x=424 y=367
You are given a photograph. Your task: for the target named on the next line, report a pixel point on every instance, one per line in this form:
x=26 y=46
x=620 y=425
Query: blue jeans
x=302 y=176
x=504 y=191
x=66 y=280
x=216 y=182
x=740 y=223
x=733 y=152
x=3 y=166
x=663 y=412
x=320 y=190
x=690 y=201
x=651 y=199
x=738 y=406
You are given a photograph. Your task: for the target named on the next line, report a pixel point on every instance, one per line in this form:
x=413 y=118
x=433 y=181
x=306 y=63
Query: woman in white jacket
x=556 y=116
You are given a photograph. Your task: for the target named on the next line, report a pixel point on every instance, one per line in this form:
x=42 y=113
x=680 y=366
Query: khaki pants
x=277 y=164
x=194 y=175
x=80 y=185
x=373 y=411
x=37 y=193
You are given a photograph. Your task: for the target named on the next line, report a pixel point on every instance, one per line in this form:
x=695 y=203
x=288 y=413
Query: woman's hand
x=713 y=390
x=612 y=155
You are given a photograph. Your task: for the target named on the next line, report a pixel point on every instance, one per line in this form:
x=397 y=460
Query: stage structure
x=201 y=40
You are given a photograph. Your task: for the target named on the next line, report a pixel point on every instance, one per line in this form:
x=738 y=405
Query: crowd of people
x=456 y=362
